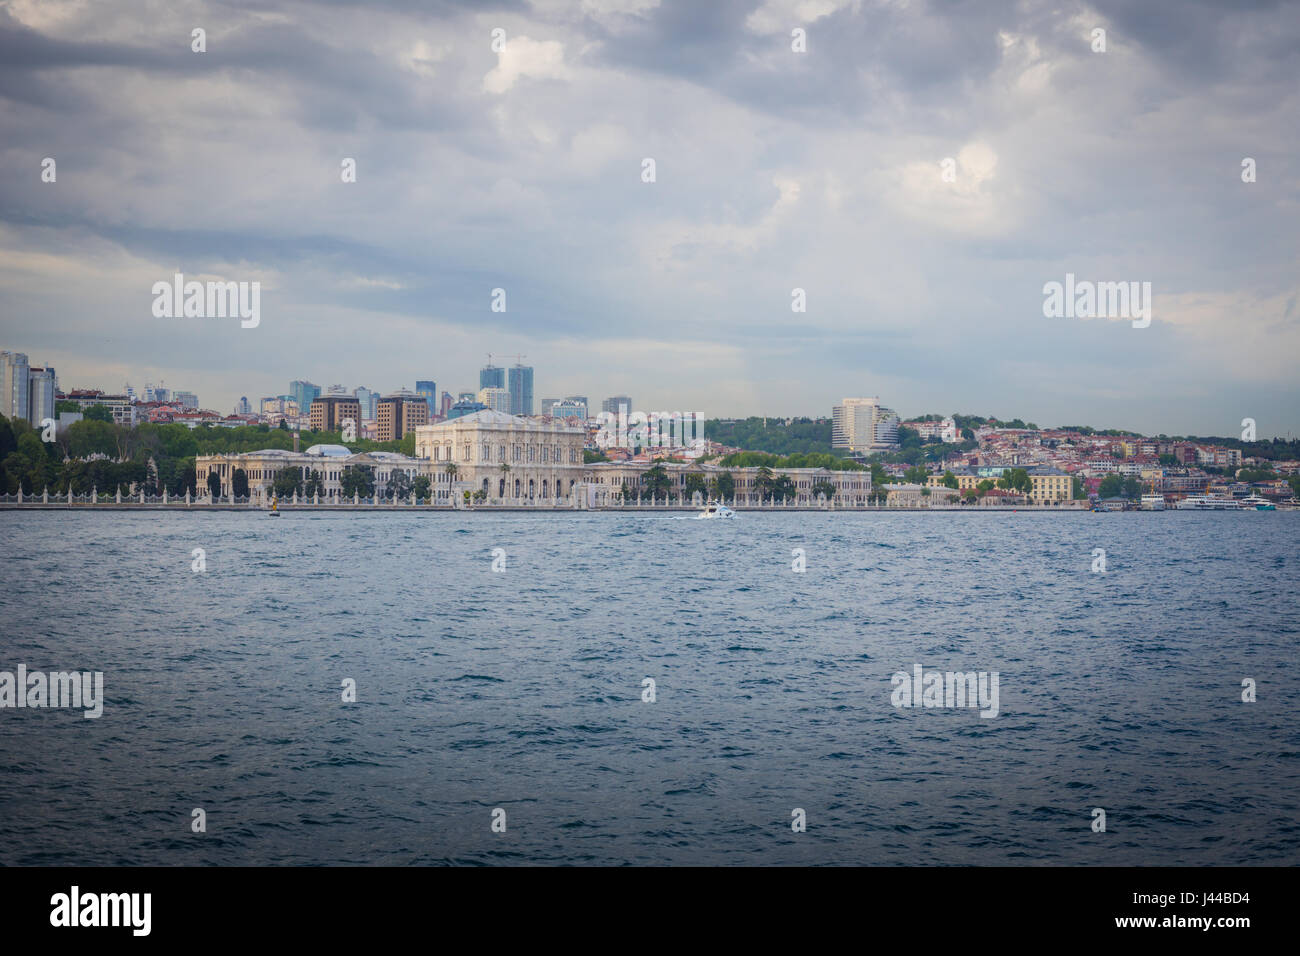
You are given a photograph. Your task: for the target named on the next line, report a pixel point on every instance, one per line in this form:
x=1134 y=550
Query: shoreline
x=540 y=509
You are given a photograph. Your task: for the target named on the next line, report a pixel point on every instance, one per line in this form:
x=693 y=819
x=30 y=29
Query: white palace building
x=510 y=460
x=509 y=457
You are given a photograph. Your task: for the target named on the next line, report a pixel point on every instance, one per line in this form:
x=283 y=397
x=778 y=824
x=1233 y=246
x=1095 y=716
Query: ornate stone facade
x=508 y=457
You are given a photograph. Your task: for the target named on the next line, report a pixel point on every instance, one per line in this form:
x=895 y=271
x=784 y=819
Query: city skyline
x=300 y=387
x=919 y=200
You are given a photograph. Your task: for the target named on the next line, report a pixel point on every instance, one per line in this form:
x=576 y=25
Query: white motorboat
x=715 y=509
x=1258 y=503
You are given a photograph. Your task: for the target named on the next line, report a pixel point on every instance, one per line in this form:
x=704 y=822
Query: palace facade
x=508 y=457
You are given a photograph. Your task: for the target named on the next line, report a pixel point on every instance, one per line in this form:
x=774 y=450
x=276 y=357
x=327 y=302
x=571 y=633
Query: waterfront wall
x=142 y=502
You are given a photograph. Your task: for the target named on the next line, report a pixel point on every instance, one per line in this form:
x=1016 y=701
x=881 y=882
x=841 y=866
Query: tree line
x=96 y=453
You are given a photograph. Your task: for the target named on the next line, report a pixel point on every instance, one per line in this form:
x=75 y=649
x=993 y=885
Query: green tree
x=421 y=486
x=214 y=484
x=725 y=485
x=399 y=485
x=950 y=480
x=823 y=487
x=916 y=475
x=784 y=488
x=97 y=413
x=1112 y=486
x=695 y=483
x=8 y=441
x=315 y=484
x=358 y=480
x=239 y=483
x=656 y=482
x=92 y=437
x=286 y=483
x=1016 y=479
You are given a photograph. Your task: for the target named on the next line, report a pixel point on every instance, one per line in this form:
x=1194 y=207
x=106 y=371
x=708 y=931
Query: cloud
x=775 y=170
x=524 y=57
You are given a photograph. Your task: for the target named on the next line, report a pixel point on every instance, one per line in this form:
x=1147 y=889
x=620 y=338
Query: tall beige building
x=496 y=399
x=401 y=412
x=863 y=425
x=329 y=412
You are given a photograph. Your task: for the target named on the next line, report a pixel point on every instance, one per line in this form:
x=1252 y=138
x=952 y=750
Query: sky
x=920 y=170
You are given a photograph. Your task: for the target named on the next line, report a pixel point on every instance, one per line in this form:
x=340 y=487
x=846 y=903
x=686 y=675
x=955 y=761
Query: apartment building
x=329 y=412
x=400 y=412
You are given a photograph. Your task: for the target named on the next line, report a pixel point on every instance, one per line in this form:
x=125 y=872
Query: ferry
x=715 y=509
x=1258 y=503
x=1209 y=503
x=1153 y=502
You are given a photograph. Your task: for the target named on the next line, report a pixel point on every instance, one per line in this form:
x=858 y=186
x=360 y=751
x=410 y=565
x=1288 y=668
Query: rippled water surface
x=522 y=689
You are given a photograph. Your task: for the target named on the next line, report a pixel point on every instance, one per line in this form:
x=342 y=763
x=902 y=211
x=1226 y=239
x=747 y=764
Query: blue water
x=521 y=689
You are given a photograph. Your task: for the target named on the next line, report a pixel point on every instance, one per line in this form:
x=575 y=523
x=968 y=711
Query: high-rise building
x=400 y=412
x=185 y=399
x=15 y=382
x=521 y=390
x=304 y=393
x=329 y=412
x=491 y=376
x=545 y=408
x=467 y=397
x=444 y=406
x=463 y=408
x=613 y=403
x=863 y=425
x=428 y=390
x=574 y=407
x=41 y=387
x=369 y=401
x=497 y=399
x=243 y=407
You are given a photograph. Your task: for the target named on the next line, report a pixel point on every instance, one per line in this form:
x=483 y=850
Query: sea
x=598 y=688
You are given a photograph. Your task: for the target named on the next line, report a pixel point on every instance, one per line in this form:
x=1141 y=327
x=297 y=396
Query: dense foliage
x=94 y=453
x=774 y=436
